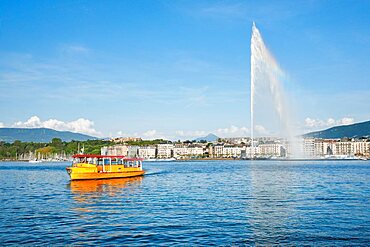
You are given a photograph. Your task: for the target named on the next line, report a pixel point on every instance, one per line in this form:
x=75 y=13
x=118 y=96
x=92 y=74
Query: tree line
x=12 y=151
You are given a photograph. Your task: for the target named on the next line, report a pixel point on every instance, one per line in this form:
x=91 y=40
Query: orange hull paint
x=105 y=175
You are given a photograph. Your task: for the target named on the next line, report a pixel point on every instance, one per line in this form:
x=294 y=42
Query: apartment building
x=165 y=151
x=147 y=152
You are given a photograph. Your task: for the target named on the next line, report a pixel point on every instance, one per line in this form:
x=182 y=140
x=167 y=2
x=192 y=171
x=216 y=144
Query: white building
x=226 y=151
x=325 y=147
x=216 y=151
x=133 y=151
x=165 y=151
x=344 y=148
x=361 y=147
x=188 y=151
x=249 y=152
x=271 y=149
x=180 y=150
x=114 y=150
x=147 y=152
x=230 y=151
x=309 y=147
x=195 y=151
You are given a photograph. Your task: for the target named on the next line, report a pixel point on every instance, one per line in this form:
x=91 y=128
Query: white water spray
x=266 y=71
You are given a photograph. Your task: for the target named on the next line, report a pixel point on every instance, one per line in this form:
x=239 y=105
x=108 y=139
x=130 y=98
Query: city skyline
x=180 y=69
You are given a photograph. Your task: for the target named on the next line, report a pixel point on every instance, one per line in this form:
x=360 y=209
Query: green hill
x=350 y=131
x=40 y=135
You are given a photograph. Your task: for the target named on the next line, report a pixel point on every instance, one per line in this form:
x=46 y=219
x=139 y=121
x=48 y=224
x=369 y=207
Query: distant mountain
x=39 y=135
x=350 y=131
x=209 y=138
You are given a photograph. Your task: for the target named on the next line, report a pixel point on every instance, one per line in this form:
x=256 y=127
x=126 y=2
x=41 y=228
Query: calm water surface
x=189 y=203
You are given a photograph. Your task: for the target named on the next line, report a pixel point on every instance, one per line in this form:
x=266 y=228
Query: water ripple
x=232 y=203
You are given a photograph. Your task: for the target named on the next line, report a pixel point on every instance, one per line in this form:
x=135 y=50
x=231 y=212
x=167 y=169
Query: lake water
x=189 y=203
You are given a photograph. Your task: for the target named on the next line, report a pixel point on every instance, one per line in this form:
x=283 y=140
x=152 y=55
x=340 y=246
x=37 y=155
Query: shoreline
x=208 y=159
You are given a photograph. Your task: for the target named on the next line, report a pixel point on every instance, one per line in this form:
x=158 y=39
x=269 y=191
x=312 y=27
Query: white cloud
x=260 y=130
x=347 y=121
x=125 y=134
x=232 y=131
x=190 y=133
x=2 y=125
x=150 y=133
x=80 y=125
x=32 y=122
x=318 y=123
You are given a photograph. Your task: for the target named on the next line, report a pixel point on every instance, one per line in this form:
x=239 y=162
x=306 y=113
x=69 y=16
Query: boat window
x=128 y=163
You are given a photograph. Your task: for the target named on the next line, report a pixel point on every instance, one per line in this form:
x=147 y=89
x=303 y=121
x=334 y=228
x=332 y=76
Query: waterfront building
x=181 y=151
x=147 y=152
x=249 y=152
x=271 y=149
x=325 y=147
x=312 y=148
x=344 y=148
x=165 y=151
x=309 y=147
x=133 y=151
x=196 y=151
x=361 y=147
x=217 y=151
x=115 y=150
x=231 y=151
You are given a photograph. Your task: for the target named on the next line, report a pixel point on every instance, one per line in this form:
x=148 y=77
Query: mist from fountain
x=266 y=71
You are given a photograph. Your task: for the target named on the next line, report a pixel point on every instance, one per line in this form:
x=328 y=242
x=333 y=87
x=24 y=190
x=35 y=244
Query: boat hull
x=103 y=175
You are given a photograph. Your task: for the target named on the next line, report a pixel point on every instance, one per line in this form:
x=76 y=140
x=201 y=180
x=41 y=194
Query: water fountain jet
x=265 y=70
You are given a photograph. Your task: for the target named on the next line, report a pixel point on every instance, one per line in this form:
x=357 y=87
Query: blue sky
x=178 y=69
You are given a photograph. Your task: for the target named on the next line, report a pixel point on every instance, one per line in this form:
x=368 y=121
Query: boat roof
x=104 y=156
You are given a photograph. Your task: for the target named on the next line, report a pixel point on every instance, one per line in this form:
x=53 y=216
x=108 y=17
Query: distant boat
x=34 y=161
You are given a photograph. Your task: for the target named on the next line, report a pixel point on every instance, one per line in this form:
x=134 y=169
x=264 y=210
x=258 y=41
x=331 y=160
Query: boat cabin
x=106 y=160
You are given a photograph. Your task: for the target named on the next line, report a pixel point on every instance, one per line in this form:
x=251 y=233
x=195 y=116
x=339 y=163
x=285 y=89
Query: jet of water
x=265 y=69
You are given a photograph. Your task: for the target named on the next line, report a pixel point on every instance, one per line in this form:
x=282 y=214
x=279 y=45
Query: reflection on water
x=89 y=191
x=100 y=200
x=103 y=186
x=271 y=206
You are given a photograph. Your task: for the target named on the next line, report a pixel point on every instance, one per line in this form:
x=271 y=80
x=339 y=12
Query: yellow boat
x=89 y=166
